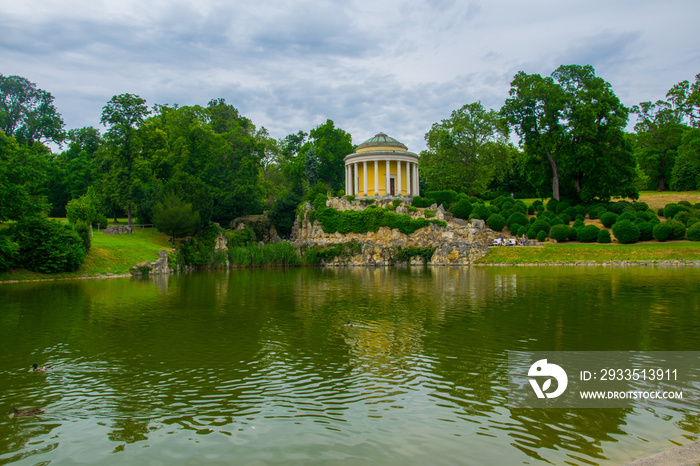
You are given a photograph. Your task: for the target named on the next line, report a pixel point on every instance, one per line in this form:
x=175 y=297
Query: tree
x=536 y=112
x=175 y=217
x=464 y=150
x=659 y=129
x=22 y=171
x=123 y=114
x=28 y=113
x=685 y=175
x=330 y=146
x=686 y=98
x=571 y=126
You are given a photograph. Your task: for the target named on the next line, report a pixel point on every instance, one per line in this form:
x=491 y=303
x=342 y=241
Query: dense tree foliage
x=571 y=126
x=464 y=150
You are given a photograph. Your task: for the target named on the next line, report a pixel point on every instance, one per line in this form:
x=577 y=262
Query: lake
x=260 y=366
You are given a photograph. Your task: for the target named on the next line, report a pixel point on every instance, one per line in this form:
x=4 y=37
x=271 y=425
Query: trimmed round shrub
x=514 y=227
x=672 y=209
x=540 y=208
x=608 y=219
x=660 y=212
x=561 y=207
x=604 y=236
x=531 y=220
x=496 y=222
x=556 y=221
x=692 y=221
x=626 y=232
x=685 y=203
x=565 y=218
x=531 y=210
x=662 y=231
x=579 y=224
x=640 y=206
x=531 y=234
x=541 y=236
x=482 y=211
x=587 y=234
x=682 y=216
x=573 y=234
x=517 y=217
x=552 y=204
x=627 y=216
x=541 y=225
x=646 y=230
x=83 y=230
x=694 y=232
x=617 y=207
x=523 y=230
x=581 y=217
x=678 y=229
x=462 y=209
x=560 y=232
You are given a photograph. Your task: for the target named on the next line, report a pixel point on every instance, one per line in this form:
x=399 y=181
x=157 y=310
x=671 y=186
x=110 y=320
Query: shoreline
x=641 y=263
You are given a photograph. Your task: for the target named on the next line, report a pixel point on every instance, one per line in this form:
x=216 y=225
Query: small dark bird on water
x=26 y=412
x=36 y=368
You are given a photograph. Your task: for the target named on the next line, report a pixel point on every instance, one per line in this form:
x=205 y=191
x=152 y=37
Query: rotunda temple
x=381 y=166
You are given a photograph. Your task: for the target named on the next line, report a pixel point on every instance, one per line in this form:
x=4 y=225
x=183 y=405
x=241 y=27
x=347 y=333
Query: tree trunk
x=555 y=176
x=662 y=171
x=128 y=214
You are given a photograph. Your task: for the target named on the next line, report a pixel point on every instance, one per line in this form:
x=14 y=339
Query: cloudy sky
x=370 y=66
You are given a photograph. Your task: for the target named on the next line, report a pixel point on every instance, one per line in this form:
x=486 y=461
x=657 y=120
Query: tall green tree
x=465 y=150
x=659 y=129
x=571 y=126
x=686 y=97
x=175 y=217
x=330 y=146
x=22 y=173
x=28 y=113
x=123 y=115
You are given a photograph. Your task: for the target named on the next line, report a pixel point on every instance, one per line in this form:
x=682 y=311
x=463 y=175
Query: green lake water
x=259 y=366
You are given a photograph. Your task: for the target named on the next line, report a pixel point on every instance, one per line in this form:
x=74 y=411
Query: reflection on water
x=358 y=365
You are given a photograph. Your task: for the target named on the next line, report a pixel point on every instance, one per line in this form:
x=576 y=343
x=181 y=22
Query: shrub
x=8 y=252
x=552 y=204
x=531 y=210
x=482 y=211
x=240 y=238
x=646 y=231
x=428 y=213
x=560 y=232
x=514 y=227
x=678 y=229
x=283 y=213
x=396 y=202
x=662 y=231
x=604 y=236
x=682 y=216
x=561 y=207
x=47 y=246
x=580 y=217
x=579 y=224
x=517 y=217
x=671 y=210
x=541 y=236
x=627 y=216
x=83 y=230
x=350 y=198
x=587 y=234
x=565 y=218
x=175 y=217
x=640 y=206
x=556 y=221
x=462 y=209
x=608 y=219
x=523 y=230
x=446 y=198
x=531 y=234
x=694 y=232
x=496 y=222
x=541 y=225
x=626 y=232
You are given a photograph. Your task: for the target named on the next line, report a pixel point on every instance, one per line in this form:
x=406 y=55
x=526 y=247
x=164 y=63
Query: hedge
x=369 y=219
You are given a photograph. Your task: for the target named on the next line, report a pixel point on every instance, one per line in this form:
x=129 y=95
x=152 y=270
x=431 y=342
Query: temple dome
x=382 y=141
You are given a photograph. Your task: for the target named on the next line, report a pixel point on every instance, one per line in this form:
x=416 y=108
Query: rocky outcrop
x=458 y=243
x=117 y=230
x=160 y=266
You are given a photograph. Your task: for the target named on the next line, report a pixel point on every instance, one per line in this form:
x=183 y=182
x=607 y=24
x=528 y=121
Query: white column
x=376 y=178
x=355 y=179
x=409 y=178
x=398 y=177
x=347 y=178
x=387 y=178
x=364 y=176
x=416 y=187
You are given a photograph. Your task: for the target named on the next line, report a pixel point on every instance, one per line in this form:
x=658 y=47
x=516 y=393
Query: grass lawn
x=113 y=254
x=594 y=252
